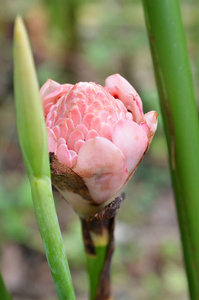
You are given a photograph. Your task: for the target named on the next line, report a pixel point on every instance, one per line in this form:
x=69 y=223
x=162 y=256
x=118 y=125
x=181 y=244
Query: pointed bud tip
x=19 y=28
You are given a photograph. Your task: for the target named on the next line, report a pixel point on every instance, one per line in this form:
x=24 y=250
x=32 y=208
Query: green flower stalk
x=179 y=111
x=63 y=17
x=99 y=246
x=98 y=237
x=33 y=142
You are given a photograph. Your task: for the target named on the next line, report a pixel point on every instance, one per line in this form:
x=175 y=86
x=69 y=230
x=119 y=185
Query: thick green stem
x=51 y=236
x=98 y=237
x=179 y=111
x=33 y=141
x=63 y=17
x=99 y=246
x=3 y=290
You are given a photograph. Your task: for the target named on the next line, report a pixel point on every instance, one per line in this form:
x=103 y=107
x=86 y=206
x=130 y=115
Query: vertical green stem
x=98 y=237
x=3 y=290
x=179 y=111
x=51 y=236
x=63 y=17
x=33 y=141
x=99 y=246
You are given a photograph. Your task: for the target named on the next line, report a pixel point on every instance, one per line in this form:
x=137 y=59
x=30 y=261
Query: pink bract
x=100 y=133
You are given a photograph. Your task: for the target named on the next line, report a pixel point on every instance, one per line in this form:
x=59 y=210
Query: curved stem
x=179 y=111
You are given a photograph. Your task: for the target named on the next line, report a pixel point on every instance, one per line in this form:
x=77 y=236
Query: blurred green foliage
x=15 y=208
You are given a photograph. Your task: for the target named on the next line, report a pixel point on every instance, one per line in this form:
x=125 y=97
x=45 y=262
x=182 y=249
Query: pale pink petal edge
x=116 y=84
x=132 y=140
x=101 y=165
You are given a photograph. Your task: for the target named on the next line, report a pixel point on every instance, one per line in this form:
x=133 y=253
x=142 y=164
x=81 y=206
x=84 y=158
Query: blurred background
x=84 y=40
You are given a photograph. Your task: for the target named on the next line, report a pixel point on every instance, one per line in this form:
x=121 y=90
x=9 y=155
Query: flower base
x=98 y=237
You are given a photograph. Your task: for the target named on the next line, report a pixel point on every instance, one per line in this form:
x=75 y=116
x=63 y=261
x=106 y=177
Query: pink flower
x=99 y=135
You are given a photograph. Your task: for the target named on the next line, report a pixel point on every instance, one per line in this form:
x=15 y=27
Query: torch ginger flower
x=96 y=136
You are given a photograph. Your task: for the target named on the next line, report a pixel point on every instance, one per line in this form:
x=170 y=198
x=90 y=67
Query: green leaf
x=180 y=116
x=30 y=119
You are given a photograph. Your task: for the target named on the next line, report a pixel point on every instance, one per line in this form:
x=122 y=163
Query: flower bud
x=30 y=119
x=96 y=136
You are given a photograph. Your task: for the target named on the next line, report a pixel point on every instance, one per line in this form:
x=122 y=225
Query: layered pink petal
x=52 y=141
x=120 y=88
x=73 y=157
x=51 y=91
x=64 y=155
x=61 y=141
x=56 y=130
x=101 y=165
x=49 y=87
x=132 y=140
x=73 y=138
x=91 y=134
x=78 y=145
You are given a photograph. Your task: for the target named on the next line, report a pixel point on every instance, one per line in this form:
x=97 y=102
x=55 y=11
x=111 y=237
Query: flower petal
x=56 y=130
x=51 y=91
x=120 y=88
x=61 y=141
x=64 y=155
x=74 y=137
x=152 y=121
x=78 y=145
x=49 y=87
x=132 y=140
x=82 y=128
x=91 y=134
x=52 y=141
x=101 y=165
